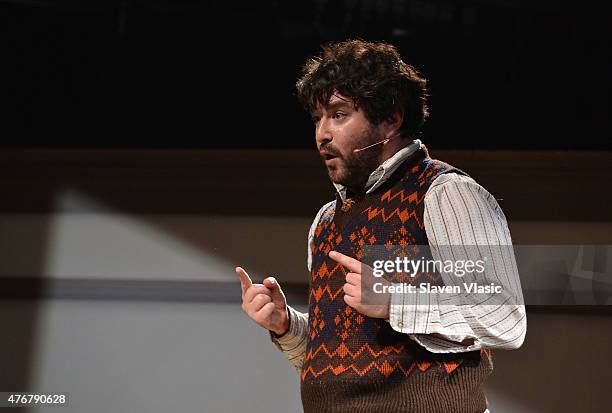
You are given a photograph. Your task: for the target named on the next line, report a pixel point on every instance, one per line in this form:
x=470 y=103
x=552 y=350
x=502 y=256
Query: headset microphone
x=384 y=142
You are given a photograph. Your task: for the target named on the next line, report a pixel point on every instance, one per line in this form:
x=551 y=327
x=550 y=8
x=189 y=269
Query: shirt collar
x=385 y=170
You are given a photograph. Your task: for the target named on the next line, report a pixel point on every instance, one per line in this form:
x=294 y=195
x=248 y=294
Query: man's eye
x=338 y=115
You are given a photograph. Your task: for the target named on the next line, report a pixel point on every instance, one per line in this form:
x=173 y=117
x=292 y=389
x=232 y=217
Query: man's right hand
x=264 y=303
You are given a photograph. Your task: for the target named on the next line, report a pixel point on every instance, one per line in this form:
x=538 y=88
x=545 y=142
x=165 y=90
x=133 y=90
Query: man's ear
x=393 y=123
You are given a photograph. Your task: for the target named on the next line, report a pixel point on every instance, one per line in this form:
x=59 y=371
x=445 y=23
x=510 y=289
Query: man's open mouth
x=327 y=156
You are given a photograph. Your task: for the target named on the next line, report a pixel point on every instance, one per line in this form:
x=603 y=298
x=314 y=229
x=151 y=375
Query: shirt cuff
x=412 y=312
x=418 y=315
x=298 y=324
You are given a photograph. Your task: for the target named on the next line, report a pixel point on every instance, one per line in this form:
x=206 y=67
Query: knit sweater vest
x=355 y=363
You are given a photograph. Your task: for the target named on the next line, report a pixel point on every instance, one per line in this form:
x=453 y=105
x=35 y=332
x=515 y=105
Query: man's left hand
x=360 y=274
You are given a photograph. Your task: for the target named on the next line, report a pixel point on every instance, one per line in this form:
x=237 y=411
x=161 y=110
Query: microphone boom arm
x=384 y=142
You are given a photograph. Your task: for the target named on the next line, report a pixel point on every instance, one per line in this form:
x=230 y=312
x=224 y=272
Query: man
x=408 y=353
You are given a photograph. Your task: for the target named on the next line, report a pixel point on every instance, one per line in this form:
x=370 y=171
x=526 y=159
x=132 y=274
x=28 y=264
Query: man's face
x=339 y=130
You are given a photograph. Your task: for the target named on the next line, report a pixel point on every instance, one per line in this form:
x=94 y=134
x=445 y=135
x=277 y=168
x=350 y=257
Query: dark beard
x=359 y=166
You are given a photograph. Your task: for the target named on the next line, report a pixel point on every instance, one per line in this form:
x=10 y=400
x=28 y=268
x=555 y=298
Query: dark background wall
x=513 y=74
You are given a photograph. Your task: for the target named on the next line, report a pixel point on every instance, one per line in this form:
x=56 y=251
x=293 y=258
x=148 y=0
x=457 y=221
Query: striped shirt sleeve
x=293 y=342
x=460 y=212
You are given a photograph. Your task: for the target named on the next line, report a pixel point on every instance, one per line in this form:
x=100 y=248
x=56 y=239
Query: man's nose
x=322 y=133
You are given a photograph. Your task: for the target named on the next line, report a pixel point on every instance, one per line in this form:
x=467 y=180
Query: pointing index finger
x=351 y=263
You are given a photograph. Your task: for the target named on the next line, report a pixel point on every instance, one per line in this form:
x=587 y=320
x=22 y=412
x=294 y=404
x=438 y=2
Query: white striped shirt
x=458 y=211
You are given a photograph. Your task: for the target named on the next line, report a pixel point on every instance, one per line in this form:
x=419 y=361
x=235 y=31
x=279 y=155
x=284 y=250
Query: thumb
x=245 y=280
x=277 y=293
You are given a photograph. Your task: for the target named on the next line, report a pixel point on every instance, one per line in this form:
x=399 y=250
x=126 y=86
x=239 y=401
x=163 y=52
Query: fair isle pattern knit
x=360 y=364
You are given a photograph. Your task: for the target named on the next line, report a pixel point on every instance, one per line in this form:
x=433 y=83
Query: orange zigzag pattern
x=388 y=197
x=342 y=351
x=403 y=215
x=386 y=369
x=323 y=271
x=319 y=292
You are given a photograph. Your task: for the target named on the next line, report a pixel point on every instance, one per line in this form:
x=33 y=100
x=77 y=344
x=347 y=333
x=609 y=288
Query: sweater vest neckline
x=342 y=214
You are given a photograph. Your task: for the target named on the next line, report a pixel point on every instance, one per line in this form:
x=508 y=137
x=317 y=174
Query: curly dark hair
x=373 y=75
